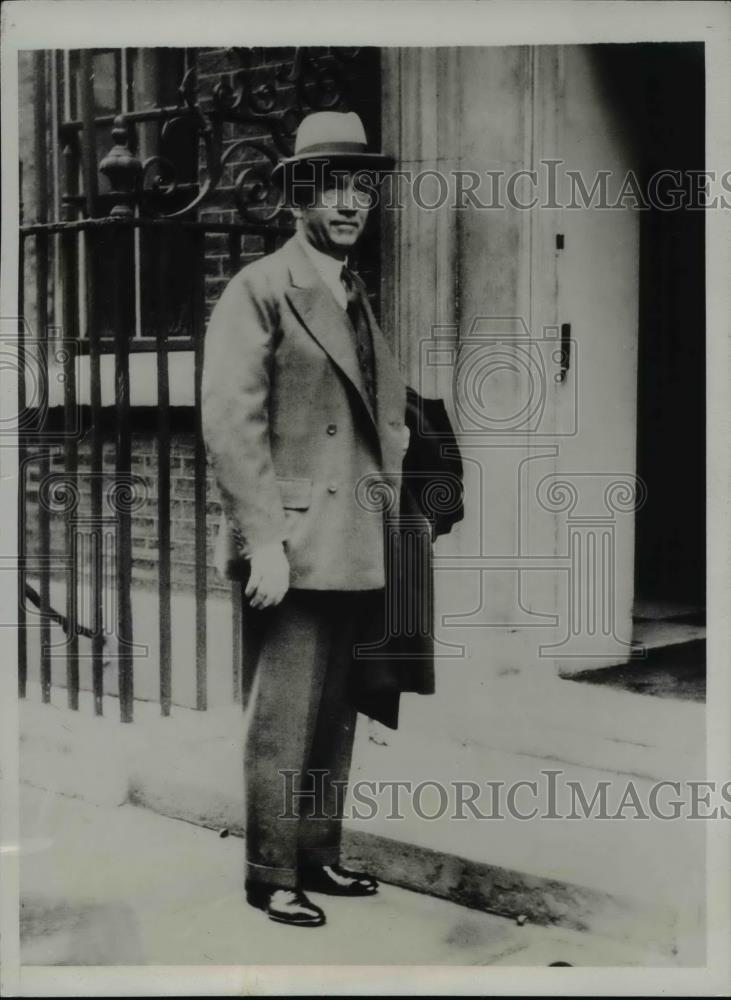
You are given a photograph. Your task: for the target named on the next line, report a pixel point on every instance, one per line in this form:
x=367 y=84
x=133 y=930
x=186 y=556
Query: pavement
x=640 y=882
x=116 y=884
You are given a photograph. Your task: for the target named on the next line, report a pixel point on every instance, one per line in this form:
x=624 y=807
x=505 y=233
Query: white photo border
x=41 y=24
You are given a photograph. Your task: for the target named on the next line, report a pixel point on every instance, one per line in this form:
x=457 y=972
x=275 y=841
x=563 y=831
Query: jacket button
x=331 y=428
x=332 y=488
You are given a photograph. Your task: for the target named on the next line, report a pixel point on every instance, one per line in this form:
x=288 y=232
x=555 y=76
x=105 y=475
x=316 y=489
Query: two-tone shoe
x=334 y=880
x=286 y=906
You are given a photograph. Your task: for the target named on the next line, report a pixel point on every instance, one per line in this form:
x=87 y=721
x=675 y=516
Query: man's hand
x=269 y=579
x=406 y=433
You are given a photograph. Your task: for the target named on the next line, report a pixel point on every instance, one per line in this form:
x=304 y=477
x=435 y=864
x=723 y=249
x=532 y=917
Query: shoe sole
x=283 y=920
x=296 y=923
x=343 y=895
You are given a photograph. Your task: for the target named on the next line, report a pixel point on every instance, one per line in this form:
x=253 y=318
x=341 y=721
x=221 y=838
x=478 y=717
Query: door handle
x=565 y=351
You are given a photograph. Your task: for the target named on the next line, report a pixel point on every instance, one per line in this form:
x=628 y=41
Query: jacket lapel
x=325 y=321
x=315 y=305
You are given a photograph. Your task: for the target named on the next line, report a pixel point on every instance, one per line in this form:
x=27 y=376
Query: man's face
x=336 y=217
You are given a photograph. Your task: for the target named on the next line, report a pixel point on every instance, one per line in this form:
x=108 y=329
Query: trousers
x=301 y=725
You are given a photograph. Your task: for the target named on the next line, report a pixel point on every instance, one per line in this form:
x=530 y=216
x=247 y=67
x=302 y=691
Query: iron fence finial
x=123 y=170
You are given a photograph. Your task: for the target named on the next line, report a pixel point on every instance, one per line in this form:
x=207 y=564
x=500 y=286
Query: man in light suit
x=302 y=404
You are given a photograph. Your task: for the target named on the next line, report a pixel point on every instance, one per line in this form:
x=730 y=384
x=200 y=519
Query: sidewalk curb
x=99 y=761
x=474 y=884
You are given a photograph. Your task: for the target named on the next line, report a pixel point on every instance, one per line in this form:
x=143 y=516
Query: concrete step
x=654 y=635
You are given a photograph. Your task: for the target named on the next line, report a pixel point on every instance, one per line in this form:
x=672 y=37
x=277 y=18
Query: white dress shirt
x=329 y=269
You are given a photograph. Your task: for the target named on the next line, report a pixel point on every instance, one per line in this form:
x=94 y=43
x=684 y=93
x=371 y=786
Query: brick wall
x=144 y=519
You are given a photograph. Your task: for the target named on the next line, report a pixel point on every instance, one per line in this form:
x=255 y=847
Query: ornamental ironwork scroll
x=268 y=100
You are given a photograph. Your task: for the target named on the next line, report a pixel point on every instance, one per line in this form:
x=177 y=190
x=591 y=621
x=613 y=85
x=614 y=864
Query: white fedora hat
x=334 y=136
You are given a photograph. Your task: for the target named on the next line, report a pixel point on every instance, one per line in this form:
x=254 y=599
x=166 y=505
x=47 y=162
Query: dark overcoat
x=400 y=657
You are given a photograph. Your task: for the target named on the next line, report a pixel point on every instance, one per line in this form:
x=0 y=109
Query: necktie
x=361 y=334
x=351 y=290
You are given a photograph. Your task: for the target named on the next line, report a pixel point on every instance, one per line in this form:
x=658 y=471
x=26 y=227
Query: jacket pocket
x=296 y=493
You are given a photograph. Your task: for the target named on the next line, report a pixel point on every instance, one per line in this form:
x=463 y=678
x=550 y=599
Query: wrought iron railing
x=100 y=240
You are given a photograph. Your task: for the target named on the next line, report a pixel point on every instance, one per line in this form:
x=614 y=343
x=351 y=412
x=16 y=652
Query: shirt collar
x=329 y=267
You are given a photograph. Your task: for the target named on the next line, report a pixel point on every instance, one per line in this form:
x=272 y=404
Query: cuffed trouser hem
x=315 y=857
x=277 y=878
